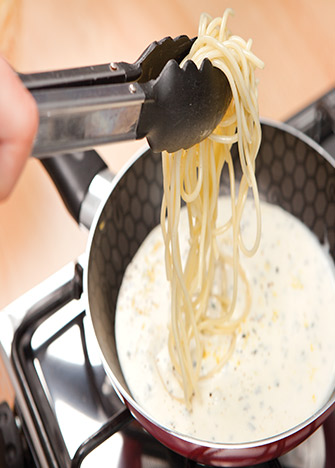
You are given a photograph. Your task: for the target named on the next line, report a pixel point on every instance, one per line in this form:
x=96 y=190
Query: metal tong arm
x=86 y=116
x=107 y=73
x=77 y=110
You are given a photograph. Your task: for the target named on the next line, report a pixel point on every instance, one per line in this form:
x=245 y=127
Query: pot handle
x=72 y=174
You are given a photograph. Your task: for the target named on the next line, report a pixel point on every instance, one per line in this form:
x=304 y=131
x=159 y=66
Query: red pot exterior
x=234 y=455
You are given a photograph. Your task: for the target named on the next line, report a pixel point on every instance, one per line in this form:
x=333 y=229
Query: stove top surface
x=69 y=398
x=62 y=393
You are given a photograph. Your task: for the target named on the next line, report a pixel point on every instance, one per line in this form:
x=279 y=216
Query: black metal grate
x=140 y=449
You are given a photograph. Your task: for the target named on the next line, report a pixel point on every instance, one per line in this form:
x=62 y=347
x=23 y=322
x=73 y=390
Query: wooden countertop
x=295 y=38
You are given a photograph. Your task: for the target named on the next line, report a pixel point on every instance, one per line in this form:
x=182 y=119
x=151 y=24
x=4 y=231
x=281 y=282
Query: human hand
x=18 y=127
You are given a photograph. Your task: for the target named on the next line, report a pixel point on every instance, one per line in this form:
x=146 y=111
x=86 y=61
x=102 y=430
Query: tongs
x=154 y=97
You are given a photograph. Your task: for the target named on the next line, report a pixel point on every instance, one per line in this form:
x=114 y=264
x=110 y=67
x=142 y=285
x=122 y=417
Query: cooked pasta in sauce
x=283 y=365
x=193 y=175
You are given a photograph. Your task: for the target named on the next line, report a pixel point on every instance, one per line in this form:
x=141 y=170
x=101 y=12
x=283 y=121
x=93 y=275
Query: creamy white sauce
x=283 y=366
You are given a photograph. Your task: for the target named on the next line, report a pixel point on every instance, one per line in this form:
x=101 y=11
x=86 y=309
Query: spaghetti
x=193 y=176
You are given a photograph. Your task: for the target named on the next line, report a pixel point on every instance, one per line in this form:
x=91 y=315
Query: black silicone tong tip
x=185 y=105
x=152 y=61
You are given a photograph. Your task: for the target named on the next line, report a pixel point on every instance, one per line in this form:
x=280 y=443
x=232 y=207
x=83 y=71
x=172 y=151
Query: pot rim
x=123 y=394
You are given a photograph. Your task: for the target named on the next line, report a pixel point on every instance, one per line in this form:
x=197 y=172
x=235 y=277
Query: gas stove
x=58 y=407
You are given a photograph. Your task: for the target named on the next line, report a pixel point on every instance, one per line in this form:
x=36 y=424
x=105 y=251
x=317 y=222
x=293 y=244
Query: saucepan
x=292 y=171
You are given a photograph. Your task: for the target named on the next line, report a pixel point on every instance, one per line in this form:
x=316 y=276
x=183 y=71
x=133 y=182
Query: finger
x=18 y=127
